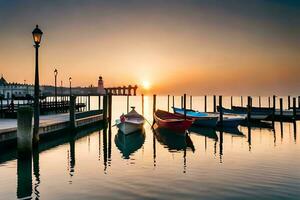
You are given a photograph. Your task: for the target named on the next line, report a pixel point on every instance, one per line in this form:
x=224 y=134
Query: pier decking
x=49 y=124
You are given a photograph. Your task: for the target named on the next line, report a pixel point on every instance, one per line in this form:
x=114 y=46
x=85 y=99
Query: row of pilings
x=129 y=90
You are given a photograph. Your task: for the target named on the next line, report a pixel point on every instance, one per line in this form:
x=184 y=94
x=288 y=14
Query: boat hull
x=206 y=122
x=128 y=128
x=178 y=126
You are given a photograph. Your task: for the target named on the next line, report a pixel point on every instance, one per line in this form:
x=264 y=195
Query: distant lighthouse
x=101 y=86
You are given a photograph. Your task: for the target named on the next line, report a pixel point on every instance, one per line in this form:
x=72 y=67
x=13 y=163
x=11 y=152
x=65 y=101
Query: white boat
x=131 y=122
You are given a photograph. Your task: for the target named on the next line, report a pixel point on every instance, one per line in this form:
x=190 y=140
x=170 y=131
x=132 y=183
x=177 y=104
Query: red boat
x=173 y=122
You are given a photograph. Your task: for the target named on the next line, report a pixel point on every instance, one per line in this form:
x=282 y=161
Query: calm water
x=262 y=164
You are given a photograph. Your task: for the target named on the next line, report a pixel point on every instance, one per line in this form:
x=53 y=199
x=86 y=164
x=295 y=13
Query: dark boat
x=255 y=113
x=173 y=122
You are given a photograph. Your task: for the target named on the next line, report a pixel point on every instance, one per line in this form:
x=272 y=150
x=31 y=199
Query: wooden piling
x=110 y=108
x=269 y=101
x=205 y=103
x=281 y=106
x=105 y=109
x=231 y=102
x=173 y=101
x=142 y=104
x=72 y=112
x=184 y=105
x=259 y=101
x=294 y=109
x=154 y=107
x=242 y=101
x=249 y=108
x=24 y=131
x=274 y=107
x=168 y=103
x=221 y=111
x=289 y=102
x=191 y=102
x=89 y=102
x=298 y=101
x=214 y=103
x=127 y=103
x=99 y=102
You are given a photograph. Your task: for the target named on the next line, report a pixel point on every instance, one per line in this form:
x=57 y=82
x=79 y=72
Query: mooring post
x=154 y=107
x=24 y=131
x=249 y=108
x=274 y=107
x=105 y=109
x=294 y=109
x=298 y=101
x=89 y=102
x=281 y=107
x=242 y=101
x=205 y=103
x=231 y=102
x=221 y=110
x=191 y=102
x=127 y=103
x=1 y=108
x=72 y=112
x=173 y=101
x=184 y=105
x=269 y=101
x=110 y=108
x=289 y=102
x=259 y=101
x=215 y=102
x=99 y=102
x=168 y=102
x=142 y=104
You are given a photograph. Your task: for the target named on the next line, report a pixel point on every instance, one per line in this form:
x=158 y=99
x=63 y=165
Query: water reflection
x=128 y=144
x=24 y=172
x=36 y=171
x=174 y=142
x=207 y=132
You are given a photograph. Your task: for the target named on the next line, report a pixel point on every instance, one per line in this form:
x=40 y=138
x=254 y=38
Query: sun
x=146 y=85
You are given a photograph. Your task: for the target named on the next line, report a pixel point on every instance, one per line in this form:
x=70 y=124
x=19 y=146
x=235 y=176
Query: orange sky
x=196 y=48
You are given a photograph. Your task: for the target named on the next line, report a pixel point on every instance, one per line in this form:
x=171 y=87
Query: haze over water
x=153 y=167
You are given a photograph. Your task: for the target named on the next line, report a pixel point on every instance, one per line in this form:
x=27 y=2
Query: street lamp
x=55 y=88
x=70 y=80
x=37 y=37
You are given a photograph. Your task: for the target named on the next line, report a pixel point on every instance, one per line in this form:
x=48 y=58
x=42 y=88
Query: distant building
x=7 y=90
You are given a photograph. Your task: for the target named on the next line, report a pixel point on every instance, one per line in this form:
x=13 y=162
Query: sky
x=197 y=47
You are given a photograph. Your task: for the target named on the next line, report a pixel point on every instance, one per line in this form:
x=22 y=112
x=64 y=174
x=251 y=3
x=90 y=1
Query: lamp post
x=55 y=88
x=70 y=81
x=61 y=90
x=37 y=37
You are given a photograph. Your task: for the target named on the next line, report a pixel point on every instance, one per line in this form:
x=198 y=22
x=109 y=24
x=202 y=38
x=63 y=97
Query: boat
x=131 y=122
x=129 y=143
x=173 y=122
x=207 y=119
x=255 y=114
x=173 y=142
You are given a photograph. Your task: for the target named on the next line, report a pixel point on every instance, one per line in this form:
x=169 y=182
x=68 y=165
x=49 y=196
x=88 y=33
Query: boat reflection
x=207 y=132
x=128 y=144
x=172 y=141
x=233 y=131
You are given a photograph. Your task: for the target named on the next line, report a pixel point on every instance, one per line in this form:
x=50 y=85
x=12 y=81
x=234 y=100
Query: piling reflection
x=36 y=170
x=24 y=173
x=72 y=156
x=128 y=144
